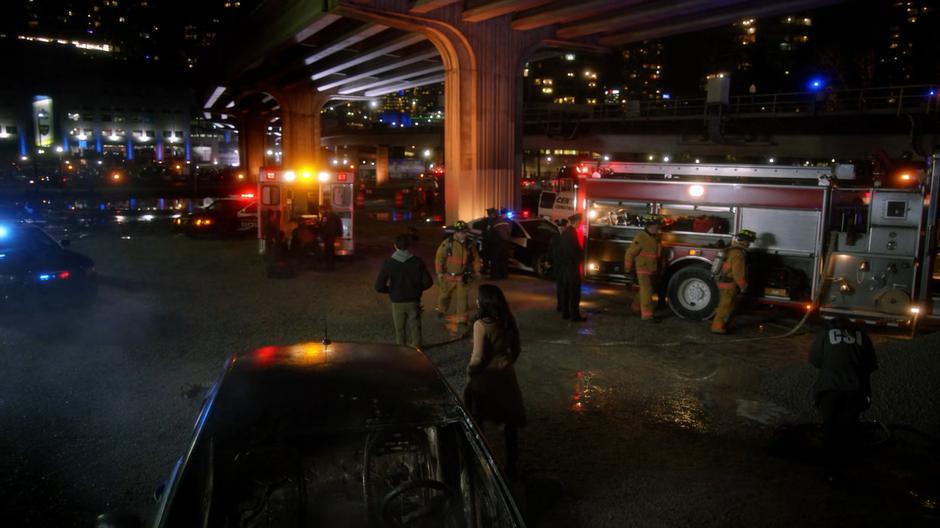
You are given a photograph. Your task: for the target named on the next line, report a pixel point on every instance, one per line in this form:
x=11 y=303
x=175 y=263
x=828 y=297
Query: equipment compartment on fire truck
x=852 y=251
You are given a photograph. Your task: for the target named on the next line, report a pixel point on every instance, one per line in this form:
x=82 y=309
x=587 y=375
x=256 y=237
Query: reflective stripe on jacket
x=644 y=252
x=734 y=270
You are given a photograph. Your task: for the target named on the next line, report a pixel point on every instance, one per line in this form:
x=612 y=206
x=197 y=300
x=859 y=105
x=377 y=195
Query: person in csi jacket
x=404 y=277
x=568 y=255
x=492 y=393
x=845 y=357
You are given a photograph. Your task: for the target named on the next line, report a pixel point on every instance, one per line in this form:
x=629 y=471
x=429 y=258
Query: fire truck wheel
x=693 y=293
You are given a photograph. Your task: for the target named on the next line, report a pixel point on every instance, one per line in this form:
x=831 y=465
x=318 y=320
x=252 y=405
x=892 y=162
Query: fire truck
x=287 y=198
x=824 y=241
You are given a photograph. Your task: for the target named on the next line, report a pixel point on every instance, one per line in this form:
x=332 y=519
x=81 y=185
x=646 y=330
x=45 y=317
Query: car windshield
x=540 y=229
x=19 y=238
x=224 y=206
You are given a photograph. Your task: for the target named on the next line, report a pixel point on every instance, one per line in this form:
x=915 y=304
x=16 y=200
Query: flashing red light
x=526 y=213
x=265 y=354
x=270 y=175
x=247 y=195
x=342 y=176
x=64 y=275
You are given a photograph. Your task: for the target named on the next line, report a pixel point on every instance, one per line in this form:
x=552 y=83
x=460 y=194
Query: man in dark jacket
x=487 y=235
x=845 y=357
x=567 y=255
x=404 y=277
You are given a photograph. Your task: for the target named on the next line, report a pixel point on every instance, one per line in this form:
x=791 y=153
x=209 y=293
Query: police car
x=36 y=267
x=531 y=243
x=224 y=216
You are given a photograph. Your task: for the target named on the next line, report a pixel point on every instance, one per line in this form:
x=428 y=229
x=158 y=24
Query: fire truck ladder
x=822 y=175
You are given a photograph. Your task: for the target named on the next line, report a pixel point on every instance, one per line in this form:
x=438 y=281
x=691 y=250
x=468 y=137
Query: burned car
x=335 y=434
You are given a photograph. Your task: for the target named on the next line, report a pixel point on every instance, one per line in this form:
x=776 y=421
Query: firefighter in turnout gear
x=457 y=264
x=643 y=257
x=732 y=279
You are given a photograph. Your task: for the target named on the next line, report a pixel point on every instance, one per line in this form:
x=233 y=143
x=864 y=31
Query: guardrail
x=883 y=100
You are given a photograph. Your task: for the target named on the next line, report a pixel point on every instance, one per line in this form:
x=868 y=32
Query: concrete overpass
x=293 y=56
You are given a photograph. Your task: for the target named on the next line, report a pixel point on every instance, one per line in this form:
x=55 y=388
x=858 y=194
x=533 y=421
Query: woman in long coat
x=492 y=393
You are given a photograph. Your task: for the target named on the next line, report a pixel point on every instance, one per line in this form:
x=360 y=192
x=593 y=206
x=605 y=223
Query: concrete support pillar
x=482 y=100
x=381 y=165
x=251 y=134
x=300 y=127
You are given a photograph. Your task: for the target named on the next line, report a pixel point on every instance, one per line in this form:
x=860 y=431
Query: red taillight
x=64 y=275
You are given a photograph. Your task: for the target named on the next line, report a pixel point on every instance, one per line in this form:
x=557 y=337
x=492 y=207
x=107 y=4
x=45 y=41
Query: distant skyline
x=852 y=44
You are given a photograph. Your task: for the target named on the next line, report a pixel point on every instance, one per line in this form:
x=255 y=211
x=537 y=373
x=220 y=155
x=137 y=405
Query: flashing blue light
x=667 y=96
x=4 y=231
x=130 y=148
x=932 y=92
x=188 y=148
x=46 y=276
x=816 y=84
x=510 y=214
x=99 y=148
x=22 y=144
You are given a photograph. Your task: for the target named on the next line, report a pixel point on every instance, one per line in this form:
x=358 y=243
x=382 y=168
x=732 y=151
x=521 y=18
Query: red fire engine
x=824 y=242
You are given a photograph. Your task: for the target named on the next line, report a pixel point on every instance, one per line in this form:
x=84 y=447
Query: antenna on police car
x=326 y=332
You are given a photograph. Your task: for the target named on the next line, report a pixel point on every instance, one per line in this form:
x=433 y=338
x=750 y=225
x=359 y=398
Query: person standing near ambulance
x=732 y=279
x=643 y=256
x=457 y=264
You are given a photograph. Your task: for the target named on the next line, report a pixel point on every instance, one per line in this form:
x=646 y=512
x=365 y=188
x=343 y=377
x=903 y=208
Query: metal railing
x=883 y=100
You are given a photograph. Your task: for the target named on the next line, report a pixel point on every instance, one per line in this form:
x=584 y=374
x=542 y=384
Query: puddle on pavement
x=762 y=412
x=683 y=407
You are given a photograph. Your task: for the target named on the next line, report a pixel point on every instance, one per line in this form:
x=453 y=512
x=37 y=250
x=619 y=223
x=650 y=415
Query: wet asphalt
x=630 y=424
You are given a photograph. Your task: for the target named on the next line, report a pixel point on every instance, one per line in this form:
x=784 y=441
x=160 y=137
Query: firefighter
x=643 y=256
x=457 y=264
x=732 y=279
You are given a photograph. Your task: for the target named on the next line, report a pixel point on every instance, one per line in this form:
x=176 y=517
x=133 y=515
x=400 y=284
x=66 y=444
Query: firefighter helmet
x=746 y=235
x=459 y=225
x=651 y=219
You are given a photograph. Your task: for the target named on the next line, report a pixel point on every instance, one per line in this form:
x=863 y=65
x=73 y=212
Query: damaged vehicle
x=335 y=434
